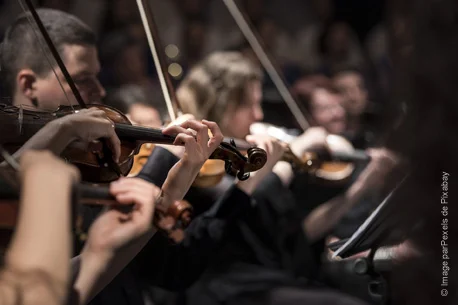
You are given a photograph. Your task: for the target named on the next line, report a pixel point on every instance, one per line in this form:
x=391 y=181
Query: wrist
x=40 y=173
x=65 y=130
x=190 y=167
x=284 y=171
x=95 y=260
x=177 y=151
x=355 y=192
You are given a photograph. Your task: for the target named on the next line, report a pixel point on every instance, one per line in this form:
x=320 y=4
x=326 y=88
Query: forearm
x=49 y=241
x=326 y=216
x=95 y=271
x=284 y=171
x=54 y=136
x=179 y=180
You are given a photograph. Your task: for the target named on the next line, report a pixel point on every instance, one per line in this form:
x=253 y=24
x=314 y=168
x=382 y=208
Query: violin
x=214 y=169
x=99 y=167
x=141 y=158
x=171 y=220
x=19 y=125
x=333 y=164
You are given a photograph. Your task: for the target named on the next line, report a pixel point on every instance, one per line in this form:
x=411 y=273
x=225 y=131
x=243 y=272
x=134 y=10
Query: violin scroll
x=236 y=163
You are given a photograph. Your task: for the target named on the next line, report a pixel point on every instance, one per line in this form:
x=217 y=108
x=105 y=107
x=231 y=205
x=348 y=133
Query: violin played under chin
x=333 y=164
x=19 y=125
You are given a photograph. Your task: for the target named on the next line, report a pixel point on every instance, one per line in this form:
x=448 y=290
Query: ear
x=26 y=83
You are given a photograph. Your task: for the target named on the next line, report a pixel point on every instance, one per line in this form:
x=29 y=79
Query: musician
x=338 y=105
x=323 y=103
x=256 y=266
x=32 y=83
x=44 y=276
x=226 y=88
x=360 y=112
x=27 y=76
x=108 y=259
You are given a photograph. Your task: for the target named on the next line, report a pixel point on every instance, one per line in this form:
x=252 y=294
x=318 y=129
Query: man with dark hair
x=31 y=81
x=28 y=75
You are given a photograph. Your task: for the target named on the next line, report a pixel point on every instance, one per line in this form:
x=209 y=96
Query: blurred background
x=305 y=38
x=341 y=44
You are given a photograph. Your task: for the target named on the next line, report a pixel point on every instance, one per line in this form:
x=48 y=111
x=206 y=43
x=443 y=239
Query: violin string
x=157 y=61
x=12 y=163
x=43 y=48
x=20 y=118
x=268 y=65
x=9 y=159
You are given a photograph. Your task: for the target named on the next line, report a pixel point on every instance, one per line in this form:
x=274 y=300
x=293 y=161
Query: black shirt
x=170 y=266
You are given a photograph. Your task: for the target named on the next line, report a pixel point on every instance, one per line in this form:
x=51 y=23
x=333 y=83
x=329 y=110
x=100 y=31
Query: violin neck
x=239 y=144
x=355 y=156
x=142 y=134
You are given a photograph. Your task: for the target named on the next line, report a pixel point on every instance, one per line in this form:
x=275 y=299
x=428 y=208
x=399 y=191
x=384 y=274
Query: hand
x=178 y=151
x=330 y=253
x=274 y=149
x=181 y=119
x=196 y=139
x=46 y=164
x=113 y=229
x=198 y=148
x=313 y=138
x=87 y=126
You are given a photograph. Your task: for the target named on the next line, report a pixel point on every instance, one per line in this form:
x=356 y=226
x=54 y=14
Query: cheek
x=50 y=95
x=361 y=104
x=241 y=123
x=236 y=125
x=320 y=117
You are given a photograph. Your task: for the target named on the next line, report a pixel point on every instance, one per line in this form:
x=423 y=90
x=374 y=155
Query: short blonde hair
x=217 y=83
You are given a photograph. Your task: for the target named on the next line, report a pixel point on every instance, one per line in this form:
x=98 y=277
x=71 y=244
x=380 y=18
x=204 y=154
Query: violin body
x=211 y=174
x=20 y=125
x=141 y=158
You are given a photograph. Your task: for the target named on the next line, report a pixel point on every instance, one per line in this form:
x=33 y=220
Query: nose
x=258 y=113
x=339 y=113
x=101 y=91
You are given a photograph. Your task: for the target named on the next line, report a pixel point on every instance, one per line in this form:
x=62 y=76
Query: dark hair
x=347 y=69
x=114 y=44
x=22 y=47
x=316 y=81
x=127 y=96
